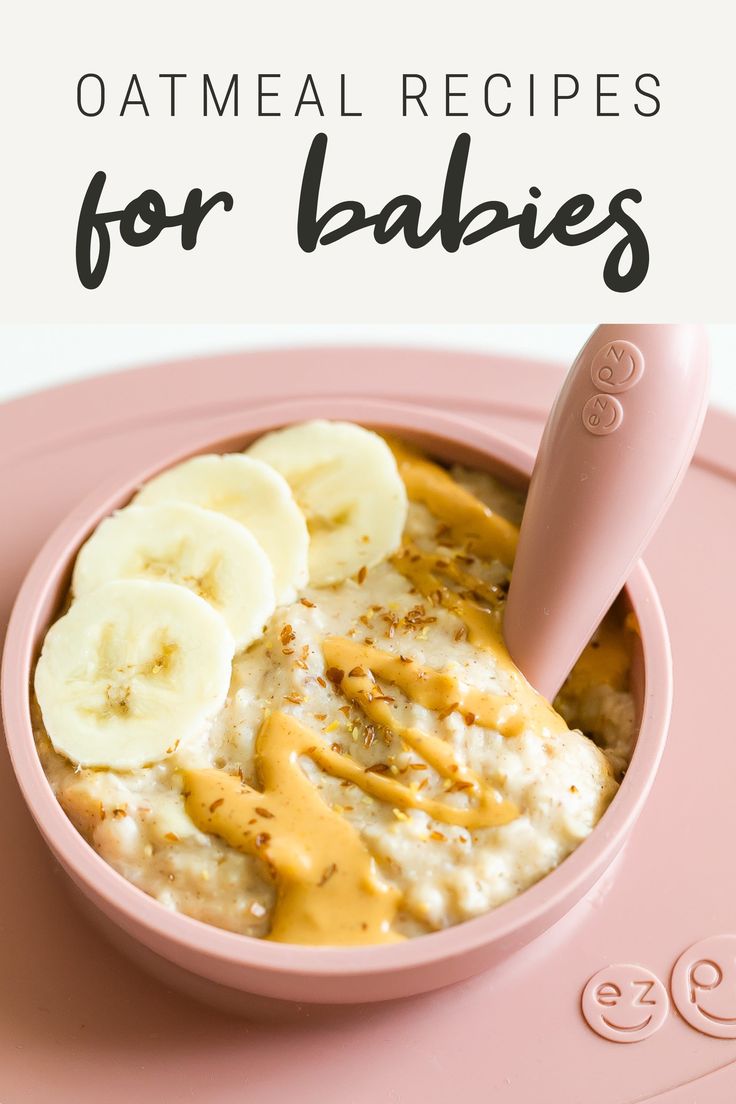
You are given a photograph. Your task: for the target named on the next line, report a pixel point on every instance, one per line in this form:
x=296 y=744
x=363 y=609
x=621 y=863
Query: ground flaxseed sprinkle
x=392 y=620
x=328 y=873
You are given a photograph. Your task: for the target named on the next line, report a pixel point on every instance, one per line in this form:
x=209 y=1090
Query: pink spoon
x=615 y=448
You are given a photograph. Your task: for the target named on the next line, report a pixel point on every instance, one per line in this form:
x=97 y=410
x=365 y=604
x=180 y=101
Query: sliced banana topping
x=346 y=482
x=213 y=556
x=248 y=491
x=132 y=671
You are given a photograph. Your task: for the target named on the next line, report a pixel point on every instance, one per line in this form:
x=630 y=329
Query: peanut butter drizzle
x=328 y=888
x=437 y=690
x=484 y=628
x=359 y=686
x=490 y=811
x=606 y=660
x=470 y=522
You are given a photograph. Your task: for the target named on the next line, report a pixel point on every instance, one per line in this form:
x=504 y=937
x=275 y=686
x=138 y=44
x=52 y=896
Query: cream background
x=248 y=268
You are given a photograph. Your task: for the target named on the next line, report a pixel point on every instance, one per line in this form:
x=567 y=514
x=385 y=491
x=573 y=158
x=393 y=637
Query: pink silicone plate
x=78 y=1024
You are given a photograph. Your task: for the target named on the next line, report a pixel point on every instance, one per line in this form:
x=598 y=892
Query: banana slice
x=347 y=484
x=176 y=542
x=249 y=492
x=130 y=672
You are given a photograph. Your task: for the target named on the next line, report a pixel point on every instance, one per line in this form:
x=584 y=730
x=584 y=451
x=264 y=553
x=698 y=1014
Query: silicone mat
x=79 y=1023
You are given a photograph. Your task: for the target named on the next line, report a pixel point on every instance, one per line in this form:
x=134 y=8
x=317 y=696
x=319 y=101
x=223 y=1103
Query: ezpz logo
x=625 y=1003
x=617 y=367
x=704 y=986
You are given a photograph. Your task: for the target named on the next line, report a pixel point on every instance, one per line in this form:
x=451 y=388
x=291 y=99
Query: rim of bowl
x=586 y=863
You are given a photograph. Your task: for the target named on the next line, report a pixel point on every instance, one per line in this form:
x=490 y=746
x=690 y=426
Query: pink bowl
x=215 y=963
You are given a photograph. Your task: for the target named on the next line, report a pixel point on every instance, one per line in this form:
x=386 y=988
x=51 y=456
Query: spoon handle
x=615 y=448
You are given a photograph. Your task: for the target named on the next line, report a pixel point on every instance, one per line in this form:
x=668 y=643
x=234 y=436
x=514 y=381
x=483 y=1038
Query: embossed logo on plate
x=625 y=1003
x=703 y=986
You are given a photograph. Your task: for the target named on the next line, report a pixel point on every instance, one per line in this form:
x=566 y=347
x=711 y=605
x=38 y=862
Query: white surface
x=32 y=357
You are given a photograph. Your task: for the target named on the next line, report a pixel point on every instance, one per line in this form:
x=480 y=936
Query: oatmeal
x=374 y=767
